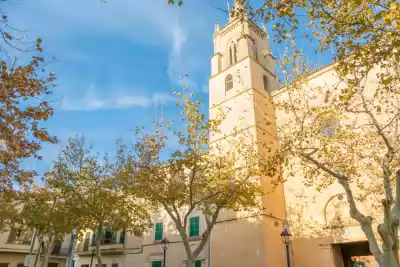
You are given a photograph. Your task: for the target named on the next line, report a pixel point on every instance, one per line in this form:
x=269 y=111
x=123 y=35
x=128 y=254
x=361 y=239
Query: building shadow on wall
x=328 y=241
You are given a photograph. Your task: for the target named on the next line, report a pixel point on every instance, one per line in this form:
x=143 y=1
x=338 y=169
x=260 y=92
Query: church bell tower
x=242 y=78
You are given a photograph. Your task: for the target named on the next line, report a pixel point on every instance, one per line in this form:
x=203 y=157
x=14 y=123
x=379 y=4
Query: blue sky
x=116 y=61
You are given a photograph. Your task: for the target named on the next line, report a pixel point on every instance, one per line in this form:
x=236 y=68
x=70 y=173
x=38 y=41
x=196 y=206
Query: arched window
x=329 y=127
x=255 y=51
x=328 y=124
x=230 y=56
x=232 y=53
x=228 y=82
x=265 y=81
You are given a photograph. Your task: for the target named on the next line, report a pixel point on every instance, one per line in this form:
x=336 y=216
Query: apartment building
x=15 y=245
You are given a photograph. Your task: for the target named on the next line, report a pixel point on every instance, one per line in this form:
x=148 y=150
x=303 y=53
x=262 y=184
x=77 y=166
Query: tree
x=49 y=214
x=194 y=175
x=22 y=108
x=92 y=185
x=347 y=134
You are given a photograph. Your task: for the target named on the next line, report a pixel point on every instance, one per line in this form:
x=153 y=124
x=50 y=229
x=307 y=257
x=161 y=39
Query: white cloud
x=131 y=101
x=153 y=22
x=176 y=68
x=93 y=101
x=162 y=98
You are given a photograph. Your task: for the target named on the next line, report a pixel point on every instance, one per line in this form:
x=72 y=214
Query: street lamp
x=287 y=239
x=164 y=245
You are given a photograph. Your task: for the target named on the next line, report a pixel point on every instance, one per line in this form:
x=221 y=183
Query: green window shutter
x=159 y=232
x=156 y=264
x=194 y=225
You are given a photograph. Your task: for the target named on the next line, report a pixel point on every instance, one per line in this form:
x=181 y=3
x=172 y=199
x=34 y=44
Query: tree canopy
x=193 y=175
x=91 y=184
x=23 y=89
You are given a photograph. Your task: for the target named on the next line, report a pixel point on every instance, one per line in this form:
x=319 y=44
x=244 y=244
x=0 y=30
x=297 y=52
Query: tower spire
x=216 y=27
x=238 y=10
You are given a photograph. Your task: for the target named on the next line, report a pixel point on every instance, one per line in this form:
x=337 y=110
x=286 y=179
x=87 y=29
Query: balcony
x=20 y=236
x=111 y=241
x=59 y=251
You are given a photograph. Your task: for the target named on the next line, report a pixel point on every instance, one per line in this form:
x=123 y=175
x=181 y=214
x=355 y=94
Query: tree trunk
x=389 y=259
x=48 y=247
x=123 y=251
x=45 y=260
x=190 y=262
x=98 y=242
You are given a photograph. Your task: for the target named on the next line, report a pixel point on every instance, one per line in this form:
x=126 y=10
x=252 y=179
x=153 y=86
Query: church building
x=243 y=80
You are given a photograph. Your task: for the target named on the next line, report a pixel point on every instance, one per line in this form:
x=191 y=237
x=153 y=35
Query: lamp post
x=287 y=239
x=164 y=245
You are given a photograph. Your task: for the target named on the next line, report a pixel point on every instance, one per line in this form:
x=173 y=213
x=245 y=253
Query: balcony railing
x=105 y=242
x=20 y=242
x=19 y=236
x=59 y=251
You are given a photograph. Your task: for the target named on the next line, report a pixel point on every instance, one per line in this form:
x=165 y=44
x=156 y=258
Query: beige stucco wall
x=141 y=251
x=310 y=211
x=16 y=253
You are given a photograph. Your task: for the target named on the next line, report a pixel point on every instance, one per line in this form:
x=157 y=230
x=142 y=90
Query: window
x=156 y=264
x=230 y=56
x=194 y=226
x=52 y=264
x=94 y=239
x=114 y=265
x=84 y=265
x=3 y=264
x=255 y=51
x=57 y=247
x=328 y=127
x=265 y=82
x=228 y=82
x=20 y=265
x=20 y=236
x=108 y=236
x=232 y=53
x=87 y=242
x=122 y=237
x=158 y=234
